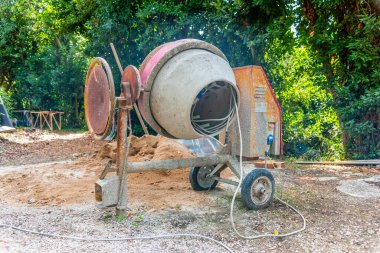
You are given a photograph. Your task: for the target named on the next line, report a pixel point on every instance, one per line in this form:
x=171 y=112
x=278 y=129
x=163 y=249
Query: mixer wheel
x=257 y=189
x=199 y=180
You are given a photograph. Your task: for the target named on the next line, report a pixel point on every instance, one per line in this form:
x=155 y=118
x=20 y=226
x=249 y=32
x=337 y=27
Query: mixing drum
x=189 y=90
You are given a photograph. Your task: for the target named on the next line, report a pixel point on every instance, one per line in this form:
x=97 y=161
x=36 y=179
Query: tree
x=345 y=36
x=310 y=123
x=327 y=46
x=17 y=41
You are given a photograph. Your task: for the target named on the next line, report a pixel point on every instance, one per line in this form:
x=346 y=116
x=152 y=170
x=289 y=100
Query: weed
x=120 y=217
x=136 y=222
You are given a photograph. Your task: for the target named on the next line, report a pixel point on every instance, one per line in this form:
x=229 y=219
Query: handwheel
x=199 y=180
x=257 y=189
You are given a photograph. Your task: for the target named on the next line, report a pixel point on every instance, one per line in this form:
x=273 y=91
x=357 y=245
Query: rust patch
x=99 y=98
x=132 y=76
x=98 y=102
x=260 y=113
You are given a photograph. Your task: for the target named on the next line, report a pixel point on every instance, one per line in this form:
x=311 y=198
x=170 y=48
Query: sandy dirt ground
x=47 y=184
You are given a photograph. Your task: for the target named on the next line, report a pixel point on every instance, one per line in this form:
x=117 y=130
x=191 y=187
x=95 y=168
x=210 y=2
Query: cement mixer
x=184 y=89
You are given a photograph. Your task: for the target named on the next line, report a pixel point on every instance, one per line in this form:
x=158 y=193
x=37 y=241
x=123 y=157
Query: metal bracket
x=108 y=168
x=219 y=167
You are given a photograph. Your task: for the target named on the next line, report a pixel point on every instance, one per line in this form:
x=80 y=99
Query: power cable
x=238 y=188
x=117 y=239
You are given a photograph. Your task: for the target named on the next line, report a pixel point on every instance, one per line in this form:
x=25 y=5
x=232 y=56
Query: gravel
x=336 y=223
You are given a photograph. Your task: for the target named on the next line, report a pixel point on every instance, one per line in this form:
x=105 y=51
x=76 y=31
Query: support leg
x=233 y=164
x=121 y=155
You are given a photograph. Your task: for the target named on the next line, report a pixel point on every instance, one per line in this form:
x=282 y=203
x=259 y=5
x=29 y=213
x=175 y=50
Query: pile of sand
x=73 y=182
x=148 y=148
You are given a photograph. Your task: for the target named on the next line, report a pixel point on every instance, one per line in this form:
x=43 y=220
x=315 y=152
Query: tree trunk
x=76 y=108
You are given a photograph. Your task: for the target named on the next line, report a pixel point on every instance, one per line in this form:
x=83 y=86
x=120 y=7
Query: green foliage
x=345 y=38
x=359 y=104
x=6 y=99
x=16 y=39
x=362 y=116
x=56 y=75
x=310 y=123
x=322 y=57
x=42 y=59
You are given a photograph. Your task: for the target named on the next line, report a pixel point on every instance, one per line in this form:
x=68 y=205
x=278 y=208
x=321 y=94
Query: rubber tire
x=246 y=188
x=193 y=177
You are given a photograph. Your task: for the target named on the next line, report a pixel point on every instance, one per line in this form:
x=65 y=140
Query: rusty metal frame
x=139 y=88
x=121 y=152
x=221 y=161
